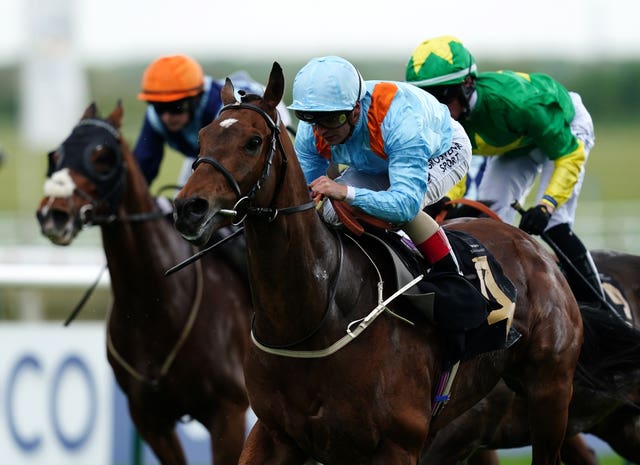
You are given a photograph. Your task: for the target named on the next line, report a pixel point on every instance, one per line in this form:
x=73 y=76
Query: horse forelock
x=250 y=98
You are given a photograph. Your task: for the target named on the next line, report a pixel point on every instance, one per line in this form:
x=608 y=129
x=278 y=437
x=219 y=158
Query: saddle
x=474 y=312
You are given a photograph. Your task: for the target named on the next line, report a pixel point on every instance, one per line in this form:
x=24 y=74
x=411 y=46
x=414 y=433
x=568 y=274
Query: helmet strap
x=467 y=88
x=353 y=118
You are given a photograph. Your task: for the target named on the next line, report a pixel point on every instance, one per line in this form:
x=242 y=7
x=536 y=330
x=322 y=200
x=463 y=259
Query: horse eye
x=103 y=159
x=253 y=144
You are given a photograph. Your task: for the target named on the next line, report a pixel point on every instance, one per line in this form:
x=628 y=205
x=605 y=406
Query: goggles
x=444 y=94
x=328 y=120
x=174 y=108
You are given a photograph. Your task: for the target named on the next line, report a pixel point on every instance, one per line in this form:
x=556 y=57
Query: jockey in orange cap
x=182 y=100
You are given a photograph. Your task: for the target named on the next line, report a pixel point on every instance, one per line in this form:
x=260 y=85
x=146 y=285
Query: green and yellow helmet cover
x=440 y=61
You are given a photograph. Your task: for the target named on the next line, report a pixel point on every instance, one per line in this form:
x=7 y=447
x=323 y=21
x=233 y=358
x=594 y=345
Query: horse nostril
x=60 y=218
x=55 y=218
x=198 y=207
x=190 y=210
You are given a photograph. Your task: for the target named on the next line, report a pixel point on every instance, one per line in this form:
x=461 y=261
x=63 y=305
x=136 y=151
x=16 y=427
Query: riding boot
x=438 y=253
x=584 y=280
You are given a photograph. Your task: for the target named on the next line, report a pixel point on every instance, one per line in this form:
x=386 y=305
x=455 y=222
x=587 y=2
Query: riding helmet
x=440 y=61
x=327 y=83
x=171 y=78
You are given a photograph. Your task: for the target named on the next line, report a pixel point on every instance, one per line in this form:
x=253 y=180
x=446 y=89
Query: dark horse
x=316 y=291
x=176 y=344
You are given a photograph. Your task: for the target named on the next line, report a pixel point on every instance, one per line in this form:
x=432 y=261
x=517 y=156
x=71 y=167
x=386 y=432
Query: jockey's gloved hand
x=535 y=220
x=436 y=208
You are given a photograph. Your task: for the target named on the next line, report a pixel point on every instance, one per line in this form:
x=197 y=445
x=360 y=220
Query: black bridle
x=87 y=135
x=90 y=133
x=271 y=213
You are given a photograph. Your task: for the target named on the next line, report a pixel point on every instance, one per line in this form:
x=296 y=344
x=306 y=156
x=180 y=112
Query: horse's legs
x=484 y=457
x=163 y=441
x=227 y=434
x=391 y=453
x=622 y=432
x=166 y=446
x=459 y=440
x=264 y=447
x=575 y=451
x=548 y=395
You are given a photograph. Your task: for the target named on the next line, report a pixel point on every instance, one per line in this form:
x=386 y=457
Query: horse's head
x=235 y=169
x=85 y=177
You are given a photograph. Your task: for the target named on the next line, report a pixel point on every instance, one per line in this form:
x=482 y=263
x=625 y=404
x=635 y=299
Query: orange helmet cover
x=171 y=78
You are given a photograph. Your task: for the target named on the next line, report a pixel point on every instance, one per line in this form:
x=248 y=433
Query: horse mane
x=249 y=98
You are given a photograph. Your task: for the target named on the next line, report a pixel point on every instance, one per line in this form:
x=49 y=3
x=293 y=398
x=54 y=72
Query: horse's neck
x=292 y=261
x=141 y=251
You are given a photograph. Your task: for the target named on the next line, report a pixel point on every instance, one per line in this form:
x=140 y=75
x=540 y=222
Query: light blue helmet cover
x=327 y=83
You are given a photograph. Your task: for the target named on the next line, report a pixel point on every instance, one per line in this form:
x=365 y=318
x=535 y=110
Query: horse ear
x=91 y=111
x=116 y=115
x=275 y=88
x=227 y=93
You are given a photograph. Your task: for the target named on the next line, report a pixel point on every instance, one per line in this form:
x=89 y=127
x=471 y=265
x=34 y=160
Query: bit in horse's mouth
x=204 y=230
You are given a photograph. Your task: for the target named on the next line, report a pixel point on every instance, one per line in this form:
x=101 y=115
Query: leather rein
x=271 y=213
x=86 y=218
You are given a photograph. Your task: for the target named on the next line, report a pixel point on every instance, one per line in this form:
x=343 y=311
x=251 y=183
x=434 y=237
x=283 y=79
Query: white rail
x=32 y=269
x=22 y=275
x=28 y=271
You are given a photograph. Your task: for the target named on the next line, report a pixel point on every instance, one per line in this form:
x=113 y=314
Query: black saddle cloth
x=460 y=310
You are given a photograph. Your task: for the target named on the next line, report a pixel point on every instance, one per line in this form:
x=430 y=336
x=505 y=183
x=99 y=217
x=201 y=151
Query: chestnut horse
x=499 y=420
x=328 y=378
x=611 y=416
x=176 y=344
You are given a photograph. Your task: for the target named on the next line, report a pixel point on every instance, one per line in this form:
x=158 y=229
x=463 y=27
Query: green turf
x=525 y=460
x=614 y=164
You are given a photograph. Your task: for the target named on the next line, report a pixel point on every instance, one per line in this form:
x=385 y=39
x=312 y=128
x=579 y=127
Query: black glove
x=434 y=209
x=535 y=220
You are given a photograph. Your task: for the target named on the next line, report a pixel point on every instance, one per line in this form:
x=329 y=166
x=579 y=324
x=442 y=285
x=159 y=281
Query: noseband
x=276 y=145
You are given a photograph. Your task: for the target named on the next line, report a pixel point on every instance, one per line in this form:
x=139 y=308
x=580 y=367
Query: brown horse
x=326 y=378
x=500 y=419
x=176 y=344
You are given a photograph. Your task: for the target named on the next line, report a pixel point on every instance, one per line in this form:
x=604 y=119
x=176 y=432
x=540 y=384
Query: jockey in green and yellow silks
x=528 y=124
